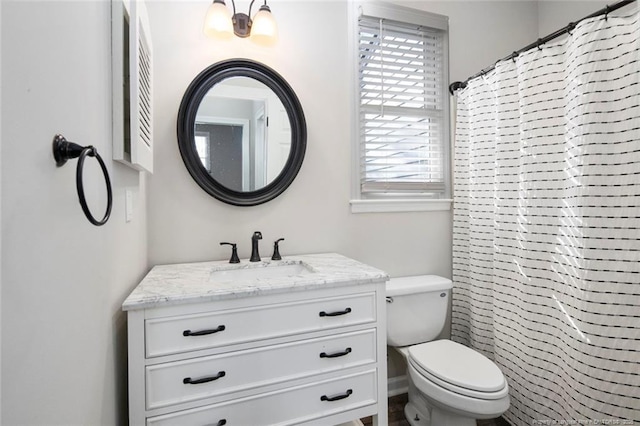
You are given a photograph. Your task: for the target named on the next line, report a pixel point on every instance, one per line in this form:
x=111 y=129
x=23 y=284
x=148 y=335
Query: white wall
x=63 y=333
x=554 y=15
x=0 y=221
x=186 y=224
x=313 y=215
x=481 y=32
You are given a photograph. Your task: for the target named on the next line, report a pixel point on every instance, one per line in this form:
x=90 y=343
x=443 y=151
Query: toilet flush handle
x=389 y=299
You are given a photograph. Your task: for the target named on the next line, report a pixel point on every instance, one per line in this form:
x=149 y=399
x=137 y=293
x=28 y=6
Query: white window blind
x=402 y=122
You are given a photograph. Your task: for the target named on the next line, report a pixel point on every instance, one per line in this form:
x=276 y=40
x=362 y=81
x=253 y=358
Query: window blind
x=401 y=107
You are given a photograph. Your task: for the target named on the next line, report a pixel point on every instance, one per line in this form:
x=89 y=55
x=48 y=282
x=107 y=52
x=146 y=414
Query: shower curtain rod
x=604 y=11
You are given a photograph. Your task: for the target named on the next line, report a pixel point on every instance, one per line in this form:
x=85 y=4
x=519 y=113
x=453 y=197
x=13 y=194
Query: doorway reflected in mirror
x=242 y=133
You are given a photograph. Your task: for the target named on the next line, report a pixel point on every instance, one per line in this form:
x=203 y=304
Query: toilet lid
x=457 y=365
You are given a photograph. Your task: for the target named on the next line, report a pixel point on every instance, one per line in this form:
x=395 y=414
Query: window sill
x=397 y=206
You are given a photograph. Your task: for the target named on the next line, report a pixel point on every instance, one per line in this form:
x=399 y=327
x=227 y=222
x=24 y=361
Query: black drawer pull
x=334 y=314
x=337 y=397
x=335 y=354
x=187 y=333
x=220 y=423
x=189 y=381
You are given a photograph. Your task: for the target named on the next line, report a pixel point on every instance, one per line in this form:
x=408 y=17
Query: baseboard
x=352 y=423
x=397 y=385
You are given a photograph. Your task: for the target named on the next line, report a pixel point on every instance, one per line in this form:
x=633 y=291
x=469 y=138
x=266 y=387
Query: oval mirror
x=241 y=132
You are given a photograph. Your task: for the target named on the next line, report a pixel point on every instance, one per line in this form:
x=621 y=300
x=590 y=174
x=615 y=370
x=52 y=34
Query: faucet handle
x=276 y=251
x=234 y=252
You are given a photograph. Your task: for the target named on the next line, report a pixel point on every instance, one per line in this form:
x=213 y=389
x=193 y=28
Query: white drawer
x=249 y=369
x=285 y=407
x=173 y=335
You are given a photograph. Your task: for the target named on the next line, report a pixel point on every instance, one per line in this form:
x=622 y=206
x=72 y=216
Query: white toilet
x=449 y=384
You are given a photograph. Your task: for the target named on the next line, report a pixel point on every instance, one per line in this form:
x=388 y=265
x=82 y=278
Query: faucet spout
x=255 y=254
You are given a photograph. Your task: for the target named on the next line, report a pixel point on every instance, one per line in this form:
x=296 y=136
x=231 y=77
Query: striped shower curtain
x=547 y=225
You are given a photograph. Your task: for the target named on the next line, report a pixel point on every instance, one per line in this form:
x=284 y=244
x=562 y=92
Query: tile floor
x=396 y=414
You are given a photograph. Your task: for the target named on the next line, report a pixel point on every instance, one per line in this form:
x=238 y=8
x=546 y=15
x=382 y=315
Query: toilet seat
x=458 y=369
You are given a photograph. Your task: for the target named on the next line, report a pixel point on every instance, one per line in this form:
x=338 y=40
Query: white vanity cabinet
x=282 y=351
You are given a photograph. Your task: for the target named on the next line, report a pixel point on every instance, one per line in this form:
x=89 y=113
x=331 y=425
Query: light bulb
x=264 y=29
x=218 y=22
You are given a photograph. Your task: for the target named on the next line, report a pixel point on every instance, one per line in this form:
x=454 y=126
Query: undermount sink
x=260 y=272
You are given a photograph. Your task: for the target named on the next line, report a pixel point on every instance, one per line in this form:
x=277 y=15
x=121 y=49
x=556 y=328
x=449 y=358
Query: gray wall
x=63 y=333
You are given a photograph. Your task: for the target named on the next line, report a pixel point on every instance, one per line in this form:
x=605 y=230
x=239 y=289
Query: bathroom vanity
x=296 y=341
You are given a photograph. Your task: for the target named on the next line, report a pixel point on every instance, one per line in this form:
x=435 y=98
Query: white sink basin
x=260 y=272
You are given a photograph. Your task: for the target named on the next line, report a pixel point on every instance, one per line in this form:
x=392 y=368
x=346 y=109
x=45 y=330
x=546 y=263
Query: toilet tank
x=416 y=308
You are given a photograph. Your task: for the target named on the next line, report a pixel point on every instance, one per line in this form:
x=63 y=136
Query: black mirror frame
x=194 y=94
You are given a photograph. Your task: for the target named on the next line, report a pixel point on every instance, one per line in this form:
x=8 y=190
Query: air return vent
x=144 y=91
x=132 y=69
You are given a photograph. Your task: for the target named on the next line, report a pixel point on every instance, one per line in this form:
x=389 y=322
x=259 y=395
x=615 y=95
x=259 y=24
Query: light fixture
x=220 y=23
x=217 y=23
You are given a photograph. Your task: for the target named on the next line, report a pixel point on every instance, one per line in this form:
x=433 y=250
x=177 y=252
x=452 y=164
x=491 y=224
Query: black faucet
x=255 y=255
x=276 y=250
x=234 y=252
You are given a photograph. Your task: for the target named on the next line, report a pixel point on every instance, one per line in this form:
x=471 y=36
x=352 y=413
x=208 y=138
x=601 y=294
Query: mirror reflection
x=242 y=134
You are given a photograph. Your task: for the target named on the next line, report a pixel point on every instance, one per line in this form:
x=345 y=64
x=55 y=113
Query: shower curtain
x=546 y=248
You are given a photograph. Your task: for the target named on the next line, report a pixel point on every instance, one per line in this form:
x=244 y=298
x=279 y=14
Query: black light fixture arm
x=264 y=6
x=250 y=6
x=64 y=150
x=233 y=4
x=241 y=22
x=538 y=43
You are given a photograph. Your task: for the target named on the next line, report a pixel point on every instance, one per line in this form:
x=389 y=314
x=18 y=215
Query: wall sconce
x=220 y=23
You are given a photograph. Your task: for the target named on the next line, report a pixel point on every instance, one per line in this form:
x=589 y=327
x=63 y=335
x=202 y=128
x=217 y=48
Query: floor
x=396 y=414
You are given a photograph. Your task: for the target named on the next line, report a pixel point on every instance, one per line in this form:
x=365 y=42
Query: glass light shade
x=218 y=23
x=264 y=29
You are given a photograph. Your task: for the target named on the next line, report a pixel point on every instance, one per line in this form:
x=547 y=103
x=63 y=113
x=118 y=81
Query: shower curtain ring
x=514 y=55
x=539 y=45
x=571 y=27
x=607 y=9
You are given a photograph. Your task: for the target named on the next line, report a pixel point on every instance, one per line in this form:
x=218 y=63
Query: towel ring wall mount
x=64 y=150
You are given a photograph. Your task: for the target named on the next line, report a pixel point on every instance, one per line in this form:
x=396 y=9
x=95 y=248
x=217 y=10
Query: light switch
x=128 y=204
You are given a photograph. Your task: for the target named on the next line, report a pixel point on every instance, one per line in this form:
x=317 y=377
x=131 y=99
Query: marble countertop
x=167 y=285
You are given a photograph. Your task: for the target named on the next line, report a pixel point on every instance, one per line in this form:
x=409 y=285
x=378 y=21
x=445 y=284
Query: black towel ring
x=64 y=150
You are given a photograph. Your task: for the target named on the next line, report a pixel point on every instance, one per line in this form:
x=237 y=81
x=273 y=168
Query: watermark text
x=589 y=422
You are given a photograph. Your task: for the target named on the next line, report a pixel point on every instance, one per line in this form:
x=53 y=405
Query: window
x=402 y=106
x=202 y=148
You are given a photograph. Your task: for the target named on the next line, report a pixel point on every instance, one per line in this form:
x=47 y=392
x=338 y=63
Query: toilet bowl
x=449 y=384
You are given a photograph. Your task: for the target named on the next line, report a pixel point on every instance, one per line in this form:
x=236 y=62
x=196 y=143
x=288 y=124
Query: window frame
x=397 y=202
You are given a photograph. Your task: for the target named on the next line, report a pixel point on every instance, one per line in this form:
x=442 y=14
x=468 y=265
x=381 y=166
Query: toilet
x=449 y=384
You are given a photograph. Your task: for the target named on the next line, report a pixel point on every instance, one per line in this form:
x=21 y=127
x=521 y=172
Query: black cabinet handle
x=335 y=354
x=189 y=381
x=220 y=423
x=337 y=397
x=187 y=333
x=334 y=314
